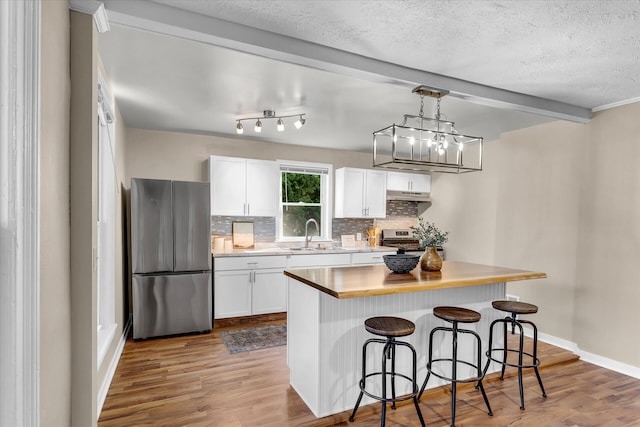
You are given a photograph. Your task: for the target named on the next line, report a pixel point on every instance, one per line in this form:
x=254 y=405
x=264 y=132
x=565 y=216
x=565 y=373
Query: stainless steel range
x=403 y=239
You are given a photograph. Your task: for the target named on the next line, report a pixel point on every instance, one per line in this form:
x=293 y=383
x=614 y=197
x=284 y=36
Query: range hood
x=412 y=196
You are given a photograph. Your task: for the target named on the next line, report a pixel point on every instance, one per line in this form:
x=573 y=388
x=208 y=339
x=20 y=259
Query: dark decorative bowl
x=401 y=263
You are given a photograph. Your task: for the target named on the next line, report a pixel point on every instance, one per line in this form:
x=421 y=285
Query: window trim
x=105 y=304
x=326 y=192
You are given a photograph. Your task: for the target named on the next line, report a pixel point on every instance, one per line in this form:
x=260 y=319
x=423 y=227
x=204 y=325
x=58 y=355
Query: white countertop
x=274 y=250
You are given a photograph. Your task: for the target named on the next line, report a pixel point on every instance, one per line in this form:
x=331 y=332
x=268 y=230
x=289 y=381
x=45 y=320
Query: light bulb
x=280 y=125
x=412 y=140
x=239 y=128
x=258 y=127
x=298 y=124
x=460 y=146
x=443 y=142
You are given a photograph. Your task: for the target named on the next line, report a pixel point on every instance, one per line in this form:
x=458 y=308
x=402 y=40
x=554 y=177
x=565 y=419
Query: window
x=304 y=194
x=106 y=223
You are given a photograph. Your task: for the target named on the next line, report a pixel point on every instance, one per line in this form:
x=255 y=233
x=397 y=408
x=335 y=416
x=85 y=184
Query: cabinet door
x=401 y=181
x=398 y=181
x=227 y=176
x=232 y=294
x=349 y=199
x=262 y=188
x=421 y=183
x=376 y=194
x=269 y=293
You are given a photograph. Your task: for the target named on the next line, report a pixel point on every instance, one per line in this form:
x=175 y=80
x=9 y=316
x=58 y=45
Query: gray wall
x=561 y=198
x=55 y=303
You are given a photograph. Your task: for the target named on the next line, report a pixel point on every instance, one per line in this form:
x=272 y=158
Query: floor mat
x=255 y=338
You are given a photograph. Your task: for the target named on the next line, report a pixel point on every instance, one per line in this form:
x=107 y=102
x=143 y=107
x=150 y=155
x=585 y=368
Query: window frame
x=106 y=226
x=326 y=191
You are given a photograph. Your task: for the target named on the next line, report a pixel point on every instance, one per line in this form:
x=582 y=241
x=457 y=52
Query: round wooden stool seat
x=388 y=326
x=456 y=314
x=516 y=307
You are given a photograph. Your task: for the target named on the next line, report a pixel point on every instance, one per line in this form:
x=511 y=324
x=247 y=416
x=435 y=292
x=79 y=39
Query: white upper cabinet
x=415 y=182
x=243 y=187
x=360 y=193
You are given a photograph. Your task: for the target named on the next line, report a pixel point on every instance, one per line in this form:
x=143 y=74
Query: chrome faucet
x=308 y=238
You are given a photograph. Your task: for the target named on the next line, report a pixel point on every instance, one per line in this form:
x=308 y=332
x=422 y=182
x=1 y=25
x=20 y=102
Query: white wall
x=182 y=156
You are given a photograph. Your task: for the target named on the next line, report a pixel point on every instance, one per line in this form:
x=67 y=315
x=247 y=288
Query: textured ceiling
x=584 y=53
x=578 y=52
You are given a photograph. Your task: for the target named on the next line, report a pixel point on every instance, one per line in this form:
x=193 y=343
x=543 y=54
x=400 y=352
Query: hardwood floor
x=193 y=381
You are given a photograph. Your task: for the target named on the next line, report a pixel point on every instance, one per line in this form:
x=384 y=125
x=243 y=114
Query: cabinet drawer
x=318 y=260
x=249 y=262
x=368 y=257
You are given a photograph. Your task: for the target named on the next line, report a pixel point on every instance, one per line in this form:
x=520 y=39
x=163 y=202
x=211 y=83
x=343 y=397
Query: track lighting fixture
x=270 y=114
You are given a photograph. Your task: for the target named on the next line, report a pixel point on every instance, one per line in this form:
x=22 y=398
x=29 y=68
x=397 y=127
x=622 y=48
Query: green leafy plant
x=429 y=234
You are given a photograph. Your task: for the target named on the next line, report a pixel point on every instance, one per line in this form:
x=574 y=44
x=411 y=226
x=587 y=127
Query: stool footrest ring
x=536 y=361
x=464 y=362
x=397 y=398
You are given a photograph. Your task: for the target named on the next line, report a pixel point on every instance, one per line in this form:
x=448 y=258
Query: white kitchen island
x=327 y=308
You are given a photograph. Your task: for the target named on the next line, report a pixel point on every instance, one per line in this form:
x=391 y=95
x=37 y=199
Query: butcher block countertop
x=353 y=282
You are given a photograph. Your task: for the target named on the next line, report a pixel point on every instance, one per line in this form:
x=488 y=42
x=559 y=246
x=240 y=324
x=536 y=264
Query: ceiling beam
x=162 y=19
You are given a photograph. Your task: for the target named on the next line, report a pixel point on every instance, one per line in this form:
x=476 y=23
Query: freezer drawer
x=171 y=304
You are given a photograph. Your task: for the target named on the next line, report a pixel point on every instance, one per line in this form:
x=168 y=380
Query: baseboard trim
x=585 y=356
x=104 y=389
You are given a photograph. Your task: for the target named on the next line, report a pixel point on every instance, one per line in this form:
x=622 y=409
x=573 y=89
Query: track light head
x=258 y=127
x=239 y=128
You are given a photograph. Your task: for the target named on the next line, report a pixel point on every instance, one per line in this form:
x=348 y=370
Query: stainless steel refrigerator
x=171 y=257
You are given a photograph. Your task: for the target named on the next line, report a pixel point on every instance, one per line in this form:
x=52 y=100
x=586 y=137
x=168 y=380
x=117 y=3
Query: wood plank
x=194 y=381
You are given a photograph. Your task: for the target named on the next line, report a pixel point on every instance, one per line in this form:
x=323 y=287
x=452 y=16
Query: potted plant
x=430 y=237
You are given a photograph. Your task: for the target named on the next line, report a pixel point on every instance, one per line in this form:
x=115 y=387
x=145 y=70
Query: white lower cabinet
x=244 y=286
x=249 y=285
x=232 y=294
x=268 y=292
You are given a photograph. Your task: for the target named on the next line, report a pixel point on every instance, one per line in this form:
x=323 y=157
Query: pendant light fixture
x=270 y=114
x=425 y=144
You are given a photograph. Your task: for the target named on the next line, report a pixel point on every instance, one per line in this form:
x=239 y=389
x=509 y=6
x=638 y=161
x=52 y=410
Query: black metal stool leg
x=481 y=373
x=535 y=354
x=393 y=374
x=504 y=352
x=384 y=385
x=520 y=355
x=362 y=381
x=429 y=359
x=454 y=373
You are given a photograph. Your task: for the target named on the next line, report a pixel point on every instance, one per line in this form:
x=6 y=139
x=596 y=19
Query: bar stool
x=514 y=308
x=390 y=328
x=456 y=315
